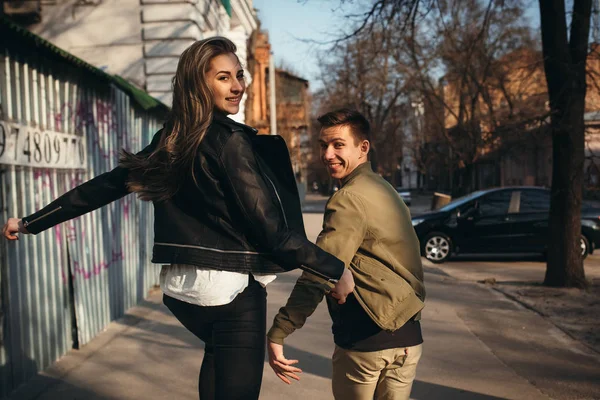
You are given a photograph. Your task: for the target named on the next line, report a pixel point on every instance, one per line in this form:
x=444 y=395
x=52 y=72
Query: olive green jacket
x=368 y=227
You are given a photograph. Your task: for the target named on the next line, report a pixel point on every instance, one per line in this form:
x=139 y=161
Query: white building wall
x=141 y=40
x=170 y=27
x=105 y=33
x=242 y=23
x=239 y=36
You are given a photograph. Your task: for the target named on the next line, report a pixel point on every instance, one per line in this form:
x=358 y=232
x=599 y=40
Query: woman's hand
x=344 y=287
x=12 y=227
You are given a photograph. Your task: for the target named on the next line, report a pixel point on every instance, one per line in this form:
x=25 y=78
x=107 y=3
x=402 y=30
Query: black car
x=404 y=194
x=501 y=220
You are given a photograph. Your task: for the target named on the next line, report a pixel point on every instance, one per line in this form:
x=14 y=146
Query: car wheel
x=585 y=246
x=437 y=247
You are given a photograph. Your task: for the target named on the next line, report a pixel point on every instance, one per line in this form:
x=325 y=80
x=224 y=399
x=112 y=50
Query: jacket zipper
x=207 y=248
x=320 y=275
x=278 y=200
x=27 y=223
x=314 y=272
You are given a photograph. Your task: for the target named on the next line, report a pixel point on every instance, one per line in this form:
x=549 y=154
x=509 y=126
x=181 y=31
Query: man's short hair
x=358 y=124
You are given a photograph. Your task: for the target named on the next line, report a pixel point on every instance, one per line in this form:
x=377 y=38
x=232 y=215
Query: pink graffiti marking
x=97 y=267
x=81 y=116
x=99 y=119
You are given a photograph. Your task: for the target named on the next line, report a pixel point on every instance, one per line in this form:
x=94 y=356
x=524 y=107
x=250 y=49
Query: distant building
x=521 y=153
x=293 y=119
x=140 y=40
x=257 y=110
x=292 y=104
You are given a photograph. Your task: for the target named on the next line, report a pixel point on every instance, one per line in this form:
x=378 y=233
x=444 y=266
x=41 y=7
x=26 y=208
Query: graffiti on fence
x=95 y=117
x=100 y=121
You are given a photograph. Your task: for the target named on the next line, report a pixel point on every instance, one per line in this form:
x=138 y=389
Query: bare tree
x=565 y=56
x=487 y=97
x=565 y=50
x=362 y=73
x=386 y=66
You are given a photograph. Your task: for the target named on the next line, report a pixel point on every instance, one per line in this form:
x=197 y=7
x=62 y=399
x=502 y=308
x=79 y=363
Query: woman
x=227 y=217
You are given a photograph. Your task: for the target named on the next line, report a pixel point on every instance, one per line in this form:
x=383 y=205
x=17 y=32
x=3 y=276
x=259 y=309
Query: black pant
x=234 y=337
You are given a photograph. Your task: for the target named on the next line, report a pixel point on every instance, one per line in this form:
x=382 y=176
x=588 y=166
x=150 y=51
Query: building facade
x=292 y=98
x=140 y=40
x=505 y=131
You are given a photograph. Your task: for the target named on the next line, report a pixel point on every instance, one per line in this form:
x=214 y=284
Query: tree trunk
x=564 y=63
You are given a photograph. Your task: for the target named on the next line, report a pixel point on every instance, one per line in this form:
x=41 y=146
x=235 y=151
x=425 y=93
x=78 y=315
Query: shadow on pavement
x=310 y=363
x=425 y=390
x=436 y=271
x=16 y=369
x=321 y=366
x=38 y=385
x=498 y=257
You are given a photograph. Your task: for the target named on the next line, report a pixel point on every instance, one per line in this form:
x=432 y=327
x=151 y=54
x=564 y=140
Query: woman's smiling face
x=226 y=80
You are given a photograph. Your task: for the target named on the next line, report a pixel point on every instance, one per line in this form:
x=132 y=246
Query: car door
x=530 y=228
x=489 y=228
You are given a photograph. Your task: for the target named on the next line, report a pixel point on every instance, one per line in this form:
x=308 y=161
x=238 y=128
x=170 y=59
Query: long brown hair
x=159 y=175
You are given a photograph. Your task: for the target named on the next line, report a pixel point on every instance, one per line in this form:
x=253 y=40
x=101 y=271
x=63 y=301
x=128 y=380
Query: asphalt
x=478 y=345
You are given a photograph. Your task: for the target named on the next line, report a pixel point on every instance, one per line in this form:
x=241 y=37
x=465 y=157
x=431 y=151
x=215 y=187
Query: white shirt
x=205 y=287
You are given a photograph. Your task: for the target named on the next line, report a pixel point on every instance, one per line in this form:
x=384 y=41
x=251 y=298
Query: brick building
x=521 y=153
x=292 y=100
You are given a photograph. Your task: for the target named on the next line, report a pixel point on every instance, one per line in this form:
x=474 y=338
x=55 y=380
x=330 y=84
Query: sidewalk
x=574 y=311
x=479 y=346
x=148 y=355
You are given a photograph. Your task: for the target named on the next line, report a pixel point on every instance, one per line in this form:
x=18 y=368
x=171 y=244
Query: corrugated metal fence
x=62 y=287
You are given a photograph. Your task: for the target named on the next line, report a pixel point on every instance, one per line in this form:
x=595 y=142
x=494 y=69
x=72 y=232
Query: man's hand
x=282 y=366
x=344 y=287
x=12 y=227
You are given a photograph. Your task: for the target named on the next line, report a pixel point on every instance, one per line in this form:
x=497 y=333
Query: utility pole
x=596 y=22
x=272 y=96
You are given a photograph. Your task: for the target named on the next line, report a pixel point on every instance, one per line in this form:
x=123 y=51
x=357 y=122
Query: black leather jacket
x=243 y=215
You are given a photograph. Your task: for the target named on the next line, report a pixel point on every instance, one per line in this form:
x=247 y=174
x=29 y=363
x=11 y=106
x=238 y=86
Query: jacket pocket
x=385 y=296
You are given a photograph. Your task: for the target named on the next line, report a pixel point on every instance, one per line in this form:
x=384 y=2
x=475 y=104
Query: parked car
x=501 y=220
x=405 y=195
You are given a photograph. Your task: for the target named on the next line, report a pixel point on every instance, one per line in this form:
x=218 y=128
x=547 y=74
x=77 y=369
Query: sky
x=291 y=22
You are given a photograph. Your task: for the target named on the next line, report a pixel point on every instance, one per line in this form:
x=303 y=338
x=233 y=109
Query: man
x=376 y=328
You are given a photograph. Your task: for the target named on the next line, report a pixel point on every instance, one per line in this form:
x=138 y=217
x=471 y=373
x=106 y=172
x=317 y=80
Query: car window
x=515 y=202
x=461 y=201
x=535 y=201
x=496 y=203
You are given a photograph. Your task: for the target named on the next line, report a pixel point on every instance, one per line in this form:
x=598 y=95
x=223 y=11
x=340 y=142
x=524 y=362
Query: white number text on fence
x=32 y=147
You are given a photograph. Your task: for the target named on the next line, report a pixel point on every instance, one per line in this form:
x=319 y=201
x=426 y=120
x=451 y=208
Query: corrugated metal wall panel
x=104 y=254
x=34 y=297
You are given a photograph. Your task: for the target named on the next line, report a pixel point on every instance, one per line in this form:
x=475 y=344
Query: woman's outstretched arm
x=88 y=196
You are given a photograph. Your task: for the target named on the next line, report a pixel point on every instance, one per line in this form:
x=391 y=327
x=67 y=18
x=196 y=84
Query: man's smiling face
x=341 y=152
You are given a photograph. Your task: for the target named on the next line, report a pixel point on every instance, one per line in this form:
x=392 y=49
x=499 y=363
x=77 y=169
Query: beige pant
x=380 y=375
